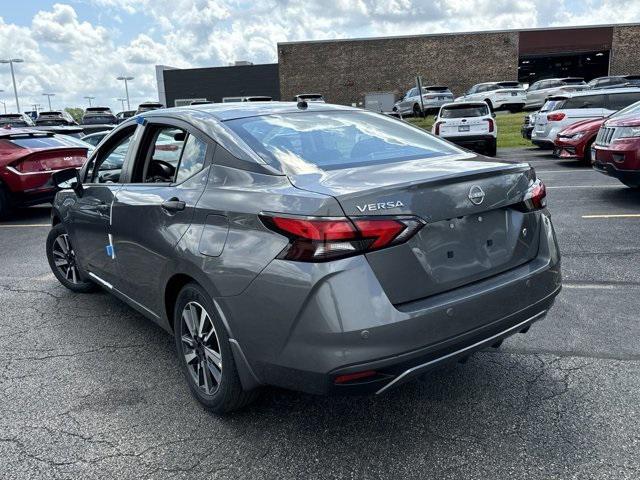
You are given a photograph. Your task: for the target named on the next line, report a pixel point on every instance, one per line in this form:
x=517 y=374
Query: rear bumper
x=509 y=104
x=28 y=188
x=472 y=140
x=338 y=321
x=542 y=143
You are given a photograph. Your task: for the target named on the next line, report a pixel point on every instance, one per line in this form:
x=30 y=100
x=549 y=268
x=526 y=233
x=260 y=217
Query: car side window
x=193 y=158
x=586 y=101
x=618 y=101
x=106 y=164
x=412 y=93
x=168 y=155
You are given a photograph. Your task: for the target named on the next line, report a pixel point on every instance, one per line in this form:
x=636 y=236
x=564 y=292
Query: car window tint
x=165 y=155
x=618 y=101
x=193 y=158
x=466 y=111
x=585 y=101
x=109 y=160
x=632 y=109
x=311 y=141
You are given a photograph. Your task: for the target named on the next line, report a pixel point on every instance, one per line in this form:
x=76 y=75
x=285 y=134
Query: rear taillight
x=31 y=165
x=491 y=124
x=321 y=239
x=556 y=117
x=437 y=128
x=535 y=198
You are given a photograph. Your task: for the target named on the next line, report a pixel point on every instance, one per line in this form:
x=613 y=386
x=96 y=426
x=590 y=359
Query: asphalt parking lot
x=90 y=389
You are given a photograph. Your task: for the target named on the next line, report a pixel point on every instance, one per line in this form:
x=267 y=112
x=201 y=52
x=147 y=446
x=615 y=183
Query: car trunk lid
x=466 y=238
x=464 y=126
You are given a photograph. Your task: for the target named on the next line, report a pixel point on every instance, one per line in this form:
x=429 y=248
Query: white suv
x=498 y=95
x=539 y=91
x=468 y=124
x=578 y=106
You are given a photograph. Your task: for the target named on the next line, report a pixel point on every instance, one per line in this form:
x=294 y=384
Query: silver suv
x=433 y=97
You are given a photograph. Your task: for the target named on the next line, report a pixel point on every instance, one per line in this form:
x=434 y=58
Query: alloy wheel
x=65 y=258
x=201 y=348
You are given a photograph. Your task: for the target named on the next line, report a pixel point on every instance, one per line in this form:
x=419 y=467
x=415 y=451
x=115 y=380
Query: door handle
x=173 y=205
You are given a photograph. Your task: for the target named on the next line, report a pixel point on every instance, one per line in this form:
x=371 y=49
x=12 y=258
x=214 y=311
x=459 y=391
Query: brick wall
x=625 y=50
x=345 y=70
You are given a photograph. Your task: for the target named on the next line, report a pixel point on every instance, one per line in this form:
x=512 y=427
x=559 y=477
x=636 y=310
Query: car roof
x=468 y=103
x=603 y=91
x=235 y=110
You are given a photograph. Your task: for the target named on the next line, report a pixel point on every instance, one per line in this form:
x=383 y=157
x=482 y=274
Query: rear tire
x=205 y=355
x=62 y=260
x=5 y=203
x=492 y=149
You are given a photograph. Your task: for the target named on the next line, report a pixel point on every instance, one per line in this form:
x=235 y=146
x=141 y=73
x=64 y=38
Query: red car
x=617 y=149
x=28 y=157
x=576 y=140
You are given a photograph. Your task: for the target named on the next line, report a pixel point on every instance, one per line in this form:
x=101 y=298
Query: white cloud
x=74 y=57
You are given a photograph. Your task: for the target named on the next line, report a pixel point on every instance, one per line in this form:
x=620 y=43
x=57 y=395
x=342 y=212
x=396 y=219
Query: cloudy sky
x=76 y=48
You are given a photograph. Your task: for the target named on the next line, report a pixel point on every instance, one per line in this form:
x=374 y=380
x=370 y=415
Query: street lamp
x=126 y=88
x=89 y=98
x=122 y=100
x=49 y=95
x=11 y=61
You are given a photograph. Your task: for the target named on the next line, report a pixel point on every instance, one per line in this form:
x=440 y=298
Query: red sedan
x=576 y=140
x=28 y=158
x=617 y=149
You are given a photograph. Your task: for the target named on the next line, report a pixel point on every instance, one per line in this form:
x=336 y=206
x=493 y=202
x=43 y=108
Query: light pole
x=89 y=98
x=11 y=61
x=122 y=100
x=126 y=88
x=3 y=104
x=49 y=95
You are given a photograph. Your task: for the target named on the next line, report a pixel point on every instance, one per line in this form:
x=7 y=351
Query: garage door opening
x=587 y=65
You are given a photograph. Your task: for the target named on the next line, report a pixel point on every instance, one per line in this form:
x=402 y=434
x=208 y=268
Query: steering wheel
x=160 y=171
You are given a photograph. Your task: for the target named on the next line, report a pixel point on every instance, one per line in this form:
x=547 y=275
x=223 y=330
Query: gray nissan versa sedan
x=314 y=247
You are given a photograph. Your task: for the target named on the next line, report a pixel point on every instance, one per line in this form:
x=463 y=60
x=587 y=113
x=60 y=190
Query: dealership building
x=344 y=71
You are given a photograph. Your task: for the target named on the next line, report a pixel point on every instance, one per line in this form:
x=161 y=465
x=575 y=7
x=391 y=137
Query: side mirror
x=435 y=117
x=68 y=178
x=493 y=114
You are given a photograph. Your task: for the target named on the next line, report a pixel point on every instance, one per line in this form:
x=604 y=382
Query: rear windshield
x=573 y=81
x=14 y=122
x=333 y=140
x=435 y=89
x=461 y=111
x=97 y=119
x=48 y=142
x=509 y=84
x=551 y=105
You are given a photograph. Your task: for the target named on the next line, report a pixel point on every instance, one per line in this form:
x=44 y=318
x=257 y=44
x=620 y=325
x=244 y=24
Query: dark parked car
x=615 y=81
x=148 y=106
x=319 y=248
x=28 y=157
x=99 y=116
x=54 y=118
x=122 y=116
x=15 y=120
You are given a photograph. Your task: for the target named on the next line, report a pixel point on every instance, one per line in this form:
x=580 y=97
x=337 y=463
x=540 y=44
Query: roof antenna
x=302 y=105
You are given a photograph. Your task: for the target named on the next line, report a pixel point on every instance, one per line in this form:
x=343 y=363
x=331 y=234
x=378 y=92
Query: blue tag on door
x=109 y=249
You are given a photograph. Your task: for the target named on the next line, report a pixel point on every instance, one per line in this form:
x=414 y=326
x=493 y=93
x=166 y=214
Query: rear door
x=155 y=206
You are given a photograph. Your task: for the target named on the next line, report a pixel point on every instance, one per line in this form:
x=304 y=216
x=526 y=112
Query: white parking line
x=589 y=286
x=586 y=186
x=614 y=215
x=15 y=225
